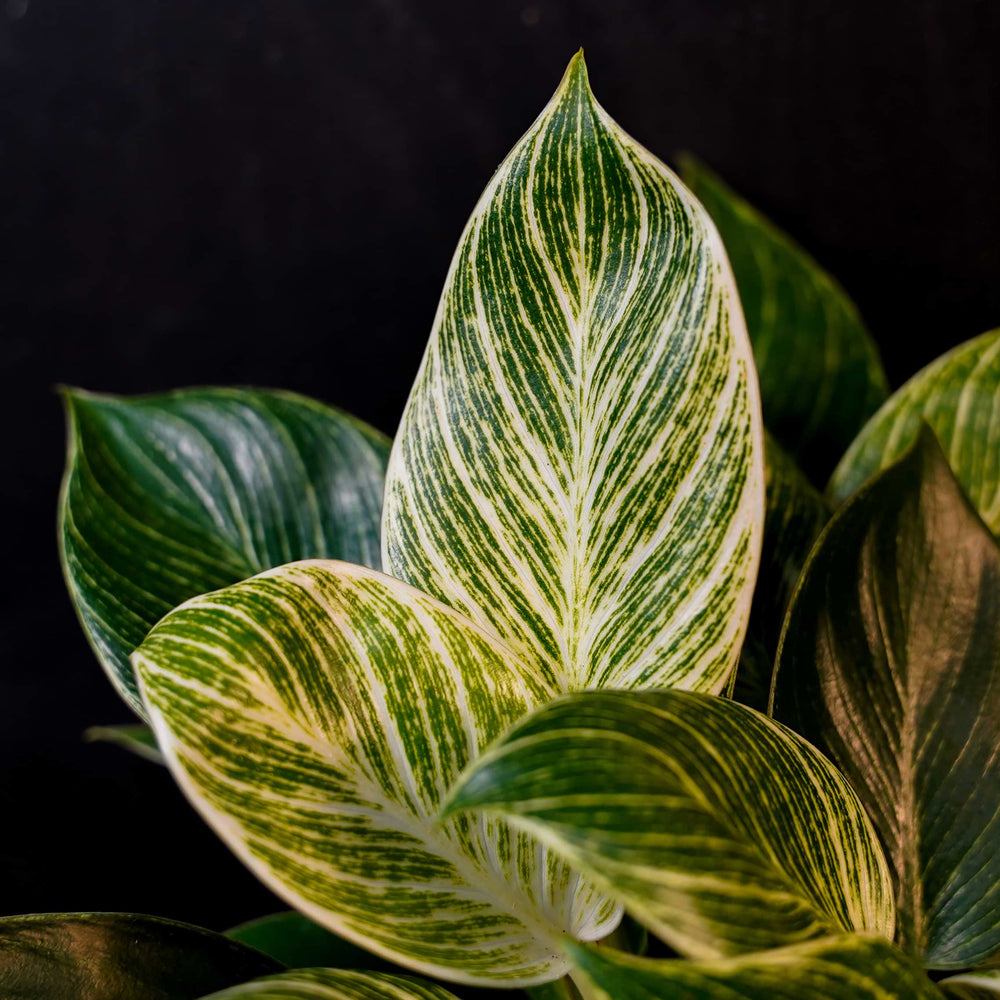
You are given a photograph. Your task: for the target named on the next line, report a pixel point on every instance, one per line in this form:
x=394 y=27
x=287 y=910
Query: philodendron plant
x=585 y=684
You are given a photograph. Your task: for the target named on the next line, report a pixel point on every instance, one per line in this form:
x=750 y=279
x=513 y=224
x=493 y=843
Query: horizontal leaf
x=983 y=985
x=958 y=395
x=579 y=468
x=299 y=943
x=316 y=715
x=795 y=515
x=891 y=660
x=820 y=374
x=138 y=739
x=717 y=828
x=170 y=496
x=848 y=967
x=334 y=984
x=118 y=956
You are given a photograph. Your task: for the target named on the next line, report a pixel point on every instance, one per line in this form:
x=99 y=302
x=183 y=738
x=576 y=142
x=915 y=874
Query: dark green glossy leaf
x=794 y=517
x=958 y=395
x=718 y=829
x=137 y=739
x=117 y=956
x=891 y=660
x=848 y=967
x=820 y=374
x=170 y=496
x=299 y=943
x=335 y=984
x=983 y=985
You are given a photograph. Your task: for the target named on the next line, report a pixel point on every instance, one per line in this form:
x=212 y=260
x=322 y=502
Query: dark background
x=229 y=191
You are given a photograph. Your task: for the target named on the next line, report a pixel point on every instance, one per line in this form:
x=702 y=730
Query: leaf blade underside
x=579 y=468
x=891 y=660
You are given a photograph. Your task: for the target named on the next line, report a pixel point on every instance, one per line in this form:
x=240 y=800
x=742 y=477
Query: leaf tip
x=576 y=79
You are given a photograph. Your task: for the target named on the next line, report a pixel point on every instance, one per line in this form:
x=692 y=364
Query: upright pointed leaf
x=334 y=984
x=848 y=967
x=316 y=715
x=118 y=956
x=891 y=659
x=983 y=985
x=820 y=374
x=959 y=396
x=720 y=830
x=795 y=515
x=579 y=468
x=170 y=496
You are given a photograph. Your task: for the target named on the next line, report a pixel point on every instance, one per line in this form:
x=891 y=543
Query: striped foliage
x=890 y=660
x=959 y=396
x=820 y=374
x=579 y=468
x=334 y=984
x=794 y=517
x=118 y=956
x=720 y=830
x=170 y=496
x=316 y=715
x=845 y=967
x=983 y=985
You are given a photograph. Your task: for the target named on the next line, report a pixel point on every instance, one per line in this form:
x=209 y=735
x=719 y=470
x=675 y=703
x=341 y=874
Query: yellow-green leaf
x=720 y=830
x=316 y=715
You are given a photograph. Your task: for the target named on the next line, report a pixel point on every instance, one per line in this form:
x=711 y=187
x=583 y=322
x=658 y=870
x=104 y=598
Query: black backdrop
x=269 y=191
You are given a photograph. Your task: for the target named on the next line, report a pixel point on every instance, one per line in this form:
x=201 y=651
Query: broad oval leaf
x=173 y=495
x=334 y=984
x=846 y=967
x=720 y=830
x=984 y=985
x=958 y=395
x=794 y=517
x=118 y=956
x=891 y=660
x=316 y=715
x=820 y=373
x=579 y=468
x=137 y=739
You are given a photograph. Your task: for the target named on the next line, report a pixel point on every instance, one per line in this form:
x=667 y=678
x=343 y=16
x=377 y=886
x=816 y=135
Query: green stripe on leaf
x=170 y=496
x=579 y=468
x=890 y=659
x=718 y=829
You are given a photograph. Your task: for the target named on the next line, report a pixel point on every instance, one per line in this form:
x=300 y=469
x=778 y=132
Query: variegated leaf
x=316 y=715
x=118 y=956
x=720 y=830
x=579 y=468
x=334 y=984
x=890 y=661
x=846 y=967
x=820 y=374
x=170 y=496
x=984 y=985
x=959 y=396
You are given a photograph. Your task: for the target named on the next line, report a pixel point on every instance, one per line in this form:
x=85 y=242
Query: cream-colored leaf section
x=579 y=468
x=316 y=715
